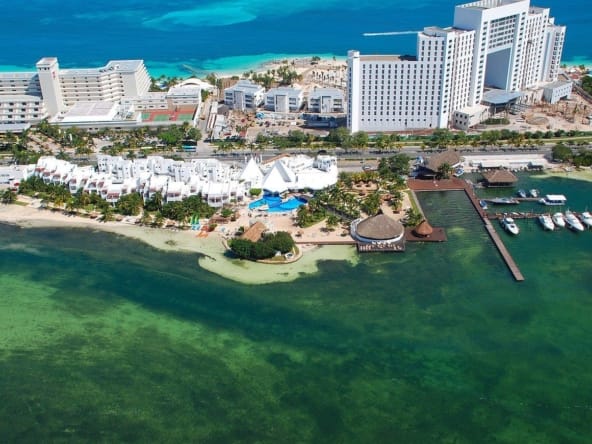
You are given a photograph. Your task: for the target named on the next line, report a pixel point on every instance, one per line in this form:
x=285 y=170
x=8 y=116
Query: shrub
x=255 y=191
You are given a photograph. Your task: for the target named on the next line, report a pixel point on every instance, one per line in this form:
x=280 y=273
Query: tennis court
x=162 y=115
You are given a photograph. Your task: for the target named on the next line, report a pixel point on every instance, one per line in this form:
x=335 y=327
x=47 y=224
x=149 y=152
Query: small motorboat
x=483 y=204
x=546 y=222
x=521 y=193
x=533 y=192
x=558 y=220
x=586 y=219
x=509 y=225
x=504 y=201
x=573 y=222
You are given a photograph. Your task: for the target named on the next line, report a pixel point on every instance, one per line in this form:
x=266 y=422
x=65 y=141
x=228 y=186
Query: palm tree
x=444 y=171
x=331 y=222
x=8 y=197
x=107 y=213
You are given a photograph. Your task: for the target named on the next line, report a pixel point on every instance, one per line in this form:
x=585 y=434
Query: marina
x=481 y=205
x=456 y=184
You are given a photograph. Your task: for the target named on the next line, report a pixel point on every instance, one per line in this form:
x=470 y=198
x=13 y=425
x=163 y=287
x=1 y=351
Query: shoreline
x=211 y=249
x=223 y=67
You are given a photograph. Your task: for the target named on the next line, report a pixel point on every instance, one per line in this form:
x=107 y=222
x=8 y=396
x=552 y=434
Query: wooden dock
x=462 y=185
x=501 y=247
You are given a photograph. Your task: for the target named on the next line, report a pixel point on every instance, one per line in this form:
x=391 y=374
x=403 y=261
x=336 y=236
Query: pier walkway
x=456 y=184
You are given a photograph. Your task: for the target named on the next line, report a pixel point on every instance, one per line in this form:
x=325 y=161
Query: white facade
x=245 y=95
x=516 y=46
x=298 y=173
x=392 y=93
x=284 y=100
x=19 y=109
x=29 y=97
x=177 y=96
x=218 y=183
x=554 y=92
x=48 y=73
x=504 y=44
x=326 y=101
x=117 y=79
x=470 y=116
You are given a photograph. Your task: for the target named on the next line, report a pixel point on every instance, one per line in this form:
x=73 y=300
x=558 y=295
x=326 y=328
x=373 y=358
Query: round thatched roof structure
x=424 y=229
x=380 y=228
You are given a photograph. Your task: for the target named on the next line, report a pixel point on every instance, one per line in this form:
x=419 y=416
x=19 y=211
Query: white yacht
x=558 y=220
x=586 y=219
x=509 y=225
x=546 y=222
x=573 y=222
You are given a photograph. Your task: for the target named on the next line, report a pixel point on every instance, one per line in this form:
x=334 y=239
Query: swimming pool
x=275 y=204
x=289 y=205
x=270 y=201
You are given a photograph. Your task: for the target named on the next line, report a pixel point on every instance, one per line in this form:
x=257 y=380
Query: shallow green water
x=103 y=339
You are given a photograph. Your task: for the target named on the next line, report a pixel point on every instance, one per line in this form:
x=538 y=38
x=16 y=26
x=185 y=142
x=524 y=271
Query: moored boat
x=521 y=193
x=546 y=222
x=573 y=222
x=503 y=201
x=509 y=225
x=586 y=219
x=483 y=204
x=533 y=192
x=553 y=199
x=558 y=219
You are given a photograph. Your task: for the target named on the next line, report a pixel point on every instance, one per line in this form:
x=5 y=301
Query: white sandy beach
x=213 y=259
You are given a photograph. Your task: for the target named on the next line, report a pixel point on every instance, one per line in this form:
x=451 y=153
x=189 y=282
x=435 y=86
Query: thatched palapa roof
x=380 y=227
x=254 y=232
x=450 y=157
x=500 y=176
x=424 y=229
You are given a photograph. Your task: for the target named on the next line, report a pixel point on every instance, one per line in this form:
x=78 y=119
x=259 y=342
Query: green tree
x=241 y=247
x=561 y=152
x=129 y=204
x=107 y=214
x=444 y=171
x=371 y=203
x=412 y=217
x=154 y=203
x=8 y=197
x=332 y=222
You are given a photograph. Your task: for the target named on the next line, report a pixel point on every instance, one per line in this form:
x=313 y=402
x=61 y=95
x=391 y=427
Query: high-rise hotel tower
x=503 y=44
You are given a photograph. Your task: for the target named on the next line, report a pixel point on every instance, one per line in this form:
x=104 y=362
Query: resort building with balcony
x=326 y=101
x=284 y=100
x=244 y=96
x=506 y=45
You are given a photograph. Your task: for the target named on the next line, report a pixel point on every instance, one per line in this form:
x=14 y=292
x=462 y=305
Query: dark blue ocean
x=232 y=35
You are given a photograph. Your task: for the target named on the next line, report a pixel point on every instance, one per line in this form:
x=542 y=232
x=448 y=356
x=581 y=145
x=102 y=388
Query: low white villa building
x=284 y=99
x=217 y=182
x=326 y=101
x=244 y=95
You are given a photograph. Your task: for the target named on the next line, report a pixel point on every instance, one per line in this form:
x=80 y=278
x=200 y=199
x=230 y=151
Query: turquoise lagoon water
x=232 y=36
x=104 y=339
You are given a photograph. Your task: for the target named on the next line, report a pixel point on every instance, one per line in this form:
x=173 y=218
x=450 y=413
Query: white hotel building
x=29 y=97
x=503 y=44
